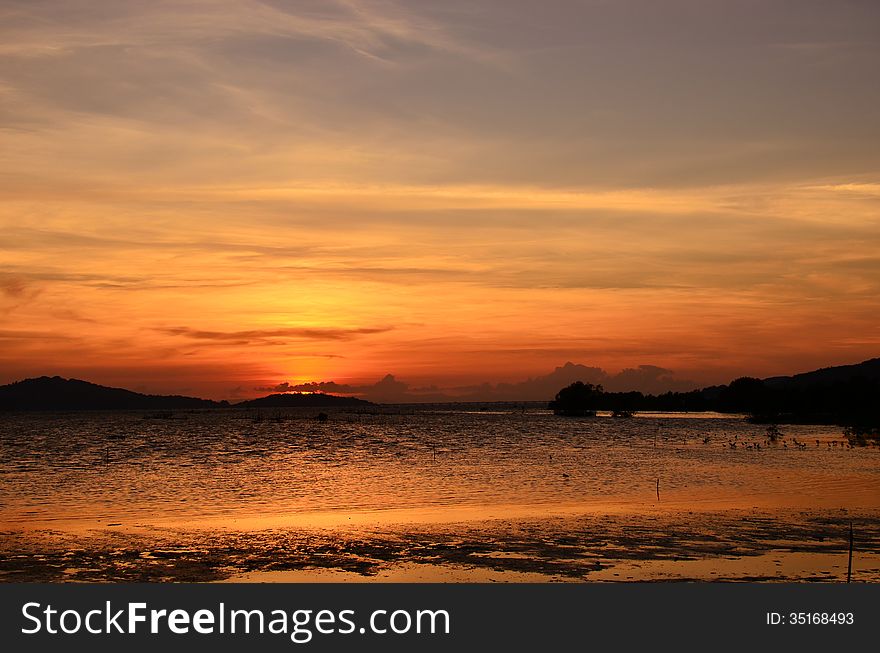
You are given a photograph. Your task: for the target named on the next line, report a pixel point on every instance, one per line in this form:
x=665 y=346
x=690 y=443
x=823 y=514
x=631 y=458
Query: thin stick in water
x=849 y=564
x=658 y=488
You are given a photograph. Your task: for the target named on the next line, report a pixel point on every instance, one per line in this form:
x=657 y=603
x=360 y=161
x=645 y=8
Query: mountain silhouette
x=869 y=369
x=57 y=393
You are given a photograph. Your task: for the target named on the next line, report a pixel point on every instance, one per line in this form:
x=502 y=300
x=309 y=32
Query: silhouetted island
x=848 y=395
x=302 y=400
x=58 y=394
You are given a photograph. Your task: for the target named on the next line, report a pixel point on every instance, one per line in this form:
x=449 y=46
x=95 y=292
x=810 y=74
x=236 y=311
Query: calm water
x=104 y=467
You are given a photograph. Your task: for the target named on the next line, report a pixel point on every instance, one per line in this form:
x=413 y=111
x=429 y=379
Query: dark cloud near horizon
x=648 y=379
x=388 y=390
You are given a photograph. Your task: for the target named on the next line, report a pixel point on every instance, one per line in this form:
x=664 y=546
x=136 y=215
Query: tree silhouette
x=577 y=400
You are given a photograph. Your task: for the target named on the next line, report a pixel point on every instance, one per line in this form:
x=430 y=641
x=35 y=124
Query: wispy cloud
x=13 y=286
x=269 y=335
x=370 y=29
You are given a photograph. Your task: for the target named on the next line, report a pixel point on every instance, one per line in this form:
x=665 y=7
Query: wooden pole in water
x=849 y=564
x=658 y=488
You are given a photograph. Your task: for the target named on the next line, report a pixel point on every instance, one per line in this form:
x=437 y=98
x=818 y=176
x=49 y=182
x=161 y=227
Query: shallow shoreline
x=721 y=545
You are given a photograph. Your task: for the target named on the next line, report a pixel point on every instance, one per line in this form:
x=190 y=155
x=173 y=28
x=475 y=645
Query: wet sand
x=725 y=545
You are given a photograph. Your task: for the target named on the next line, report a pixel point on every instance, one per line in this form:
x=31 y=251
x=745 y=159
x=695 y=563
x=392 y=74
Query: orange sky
x=211 y=198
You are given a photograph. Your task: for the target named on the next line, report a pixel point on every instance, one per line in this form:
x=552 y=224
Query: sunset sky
x=217 y=197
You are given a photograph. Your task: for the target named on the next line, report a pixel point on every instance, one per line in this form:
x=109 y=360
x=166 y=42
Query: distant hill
x=56 y=393
x=869 y=369
x=301 y=400
x=848 y=395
